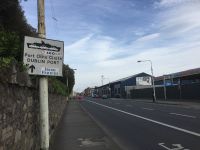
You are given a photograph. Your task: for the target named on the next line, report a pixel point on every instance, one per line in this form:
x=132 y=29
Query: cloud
x=90 y=49
x=170 y=3
x=173 y=46
x=182 y=18
x=165 y=60
x=102 y=39
x=148 y=37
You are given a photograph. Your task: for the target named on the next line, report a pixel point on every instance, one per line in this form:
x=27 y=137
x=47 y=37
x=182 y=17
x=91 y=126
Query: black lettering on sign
x=35 y=60
x=29 y=55
x=52 y=62
x=51 y=53
x=55 y=57
x=41 y=56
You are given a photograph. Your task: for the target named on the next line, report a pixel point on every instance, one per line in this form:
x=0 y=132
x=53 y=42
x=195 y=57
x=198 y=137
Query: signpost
x=43 y=56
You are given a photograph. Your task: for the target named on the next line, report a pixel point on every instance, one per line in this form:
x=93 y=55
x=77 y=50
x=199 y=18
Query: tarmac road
x=147 y=126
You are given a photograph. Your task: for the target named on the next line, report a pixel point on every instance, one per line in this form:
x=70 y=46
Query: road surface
x=146 y=126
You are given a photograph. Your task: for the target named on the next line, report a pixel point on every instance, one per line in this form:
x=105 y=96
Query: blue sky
x=107 y=37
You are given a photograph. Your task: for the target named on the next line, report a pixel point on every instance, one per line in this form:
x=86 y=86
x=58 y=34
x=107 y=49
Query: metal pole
x=102 y=77
x=67 y=87
x=165 y=95
x=109 y=89
x=154 y=90
x=44 y=113
x=180 y=90
x=43 y=86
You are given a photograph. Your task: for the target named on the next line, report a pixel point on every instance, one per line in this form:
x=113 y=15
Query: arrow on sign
x=32 y=67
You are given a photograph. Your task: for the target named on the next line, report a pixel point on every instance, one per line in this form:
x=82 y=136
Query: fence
x=186 y=91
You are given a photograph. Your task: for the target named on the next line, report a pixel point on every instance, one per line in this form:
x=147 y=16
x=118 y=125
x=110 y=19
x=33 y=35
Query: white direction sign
x=43 y=56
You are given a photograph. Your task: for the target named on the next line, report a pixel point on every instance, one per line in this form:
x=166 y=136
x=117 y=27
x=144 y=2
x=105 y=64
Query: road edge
x=105 y=130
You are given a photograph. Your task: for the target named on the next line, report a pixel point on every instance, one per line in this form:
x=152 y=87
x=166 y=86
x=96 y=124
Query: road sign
x=43 y=56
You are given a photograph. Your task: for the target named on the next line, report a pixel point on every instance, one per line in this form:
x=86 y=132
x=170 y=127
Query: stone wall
x=19 y=115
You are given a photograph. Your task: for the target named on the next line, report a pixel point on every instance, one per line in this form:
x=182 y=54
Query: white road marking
x=177 y=146
x=151 y=120
x=147 y=108
x=183 y=115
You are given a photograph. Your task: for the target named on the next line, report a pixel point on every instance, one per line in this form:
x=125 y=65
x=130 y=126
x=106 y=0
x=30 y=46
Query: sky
x=108 y=37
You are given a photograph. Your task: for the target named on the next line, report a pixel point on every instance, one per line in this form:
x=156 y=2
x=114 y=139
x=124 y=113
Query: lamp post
x=154 y=90
x=103 y=78
x=109 y=87
x=164 y=81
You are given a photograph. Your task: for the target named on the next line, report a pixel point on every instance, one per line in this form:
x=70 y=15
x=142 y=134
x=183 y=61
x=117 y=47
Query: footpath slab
x=77 y=131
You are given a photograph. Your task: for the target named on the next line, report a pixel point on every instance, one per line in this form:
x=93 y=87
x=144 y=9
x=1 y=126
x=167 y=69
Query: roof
x=129 y=77
x=180 y=74
x=187 y=72
x=123 y=79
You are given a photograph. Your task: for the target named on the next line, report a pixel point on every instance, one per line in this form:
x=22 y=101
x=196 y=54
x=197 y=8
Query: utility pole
x=154 y=91
x=165 y=95
x=102 y=78
x=67 y=83
x=43 y=86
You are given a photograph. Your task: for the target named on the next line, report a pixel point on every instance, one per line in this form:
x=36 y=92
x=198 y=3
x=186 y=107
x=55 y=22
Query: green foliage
x=13 y=28
x=68 y=74
x=58 y=86
x=9 y=44
x=5 y=62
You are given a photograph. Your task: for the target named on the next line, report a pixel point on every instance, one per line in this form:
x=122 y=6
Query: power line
x=55 y=20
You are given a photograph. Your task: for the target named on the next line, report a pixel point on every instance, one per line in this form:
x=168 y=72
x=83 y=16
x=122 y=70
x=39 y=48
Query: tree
x=13 y=28
x=9 y=44
x=68 y=74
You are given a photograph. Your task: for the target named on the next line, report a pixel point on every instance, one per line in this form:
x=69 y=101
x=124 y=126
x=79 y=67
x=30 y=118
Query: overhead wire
x=53 y=17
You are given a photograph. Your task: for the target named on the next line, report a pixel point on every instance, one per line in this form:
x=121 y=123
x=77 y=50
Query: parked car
x=104 y=96
x=95 y=96
x=117 y=96
x=79 y=97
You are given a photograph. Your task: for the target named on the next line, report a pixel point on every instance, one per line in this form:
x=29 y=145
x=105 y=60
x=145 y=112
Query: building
x=89 y=91
x=179 y=85
x=122 y=87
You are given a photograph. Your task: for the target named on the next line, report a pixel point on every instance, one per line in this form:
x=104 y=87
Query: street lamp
x=109 y=86
x=103 y=78
x=154 y=90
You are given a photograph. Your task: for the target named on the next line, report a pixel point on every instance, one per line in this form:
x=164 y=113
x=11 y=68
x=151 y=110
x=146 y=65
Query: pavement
x=78 y=131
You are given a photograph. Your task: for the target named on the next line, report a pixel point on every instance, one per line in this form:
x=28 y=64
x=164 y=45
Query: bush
x=57 y=86
x=10 y=45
